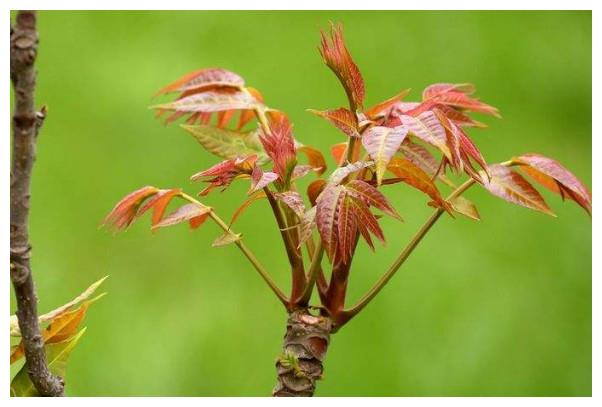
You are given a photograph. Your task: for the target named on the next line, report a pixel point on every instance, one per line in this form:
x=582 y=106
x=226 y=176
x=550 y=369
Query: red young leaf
x=440 y=88
x=382 y=143
x=261 y=179
x=452 y=135
x=314 y=158
x=124 y=212
x=293 y=200
x=183 y=213
x=222 y=174
x=420 y=156
x=338 y=59
x=346 y=228
x=340 y=213
x=159 y=203
x=314 y=190
x=366 y=222
x=279 y=145
x=462 y=147
x=245 y=205
x=428 y=128
x=462 y=101
x=371 y=196
x=459 y=118
x=202 y=79
x=212 y=101
x=509 y=185
x=423 y=159
x=327 y=213
x=344 y=119
x=341 y=173
x=412 y=175
x=338 y=153
x=383 y=108
x=306 y=225
x=247 y=115
x=556 y=178
x=197 y=221
x=300 y=171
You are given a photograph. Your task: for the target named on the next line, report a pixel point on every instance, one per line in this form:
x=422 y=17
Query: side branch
x=346 y=315
x=293 y=254
x=247 y=253
x=26 y=124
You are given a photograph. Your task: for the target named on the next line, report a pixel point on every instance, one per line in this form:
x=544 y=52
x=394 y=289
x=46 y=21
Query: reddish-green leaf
x=556 y=178
x=183 y=213
x=382 y=143
x=203 y=79
x=338 y=59
x=124 y=213
x=344 y=119
x=509 y=185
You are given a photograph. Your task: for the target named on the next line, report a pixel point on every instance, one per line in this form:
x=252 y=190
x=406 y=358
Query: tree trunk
x=304 y=348
x=26 y=124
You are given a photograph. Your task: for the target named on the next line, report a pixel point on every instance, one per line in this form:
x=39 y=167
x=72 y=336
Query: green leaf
x=226 y=239
x=57 y=355
x=465 y=207
x=226 y=143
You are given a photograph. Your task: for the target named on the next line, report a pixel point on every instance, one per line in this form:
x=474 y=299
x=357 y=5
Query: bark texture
x=25 y=126
x=300 y=364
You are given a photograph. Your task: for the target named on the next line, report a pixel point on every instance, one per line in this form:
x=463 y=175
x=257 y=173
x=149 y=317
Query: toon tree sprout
x=389 y=143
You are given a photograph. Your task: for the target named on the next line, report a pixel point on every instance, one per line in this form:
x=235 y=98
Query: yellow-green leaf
x=226 y=143
x=57 y=355
x=226 y=239
x=14 y=323
x=465 y=207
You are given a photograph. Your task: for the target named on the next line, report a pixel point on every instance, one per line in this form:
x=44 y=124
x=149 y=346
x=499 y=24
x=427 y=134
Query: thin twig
x=348 y=314
x=314 y=270
x=247 y=253
x=26 y=124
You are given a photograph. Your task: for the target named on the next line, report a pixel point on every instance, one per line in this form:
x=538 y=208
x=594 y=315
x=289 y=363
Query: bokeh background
x=500 y=307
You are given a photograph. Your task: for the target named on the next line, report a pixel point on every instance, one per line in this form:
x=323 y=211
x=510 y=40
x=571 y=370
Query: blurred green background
x=490 y=308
